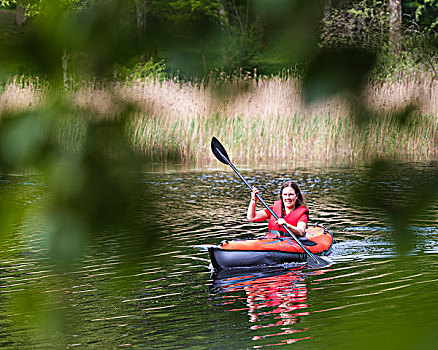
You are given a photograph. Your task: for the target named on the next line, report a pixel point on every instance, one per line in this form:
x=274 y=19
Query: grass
x=259 y=121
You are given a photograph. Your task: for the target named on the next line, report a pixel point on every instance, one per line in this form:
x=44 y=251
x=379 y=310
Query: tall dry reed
x=21 y=93
x=259 y=120
x=264 y=121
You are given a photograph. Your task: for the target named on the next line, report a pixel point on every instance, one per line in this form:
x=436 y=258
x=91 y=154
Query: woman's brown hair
x=300 y=199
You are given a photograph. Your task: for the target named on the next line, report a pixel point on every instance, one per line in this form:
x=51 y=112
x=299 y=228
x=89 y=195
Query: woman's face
x=289 y=197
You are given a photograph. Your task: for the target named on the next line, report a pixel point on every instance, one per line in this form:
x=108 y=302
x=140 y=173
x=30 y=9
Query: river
x=380 y=292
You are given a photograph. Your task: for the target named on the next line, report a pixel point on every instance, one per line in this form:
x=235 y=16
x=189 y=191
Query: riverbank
x=260 y=120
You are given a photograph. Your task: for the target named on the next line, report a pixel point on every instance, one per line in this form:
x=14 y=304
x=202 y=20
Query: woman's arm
x=299 y=230
x=252 y=214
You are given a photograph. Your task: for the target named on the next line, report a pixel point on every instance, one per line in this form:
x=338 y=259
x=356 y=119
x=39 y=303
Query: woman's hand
x=299 y=230
x=253 y=194
x=282 y=222
x=252 y=214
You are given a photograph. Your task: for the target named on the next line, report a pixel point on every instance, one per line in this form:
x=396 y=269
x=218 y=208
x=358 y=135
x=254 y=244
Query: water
x=166 y=297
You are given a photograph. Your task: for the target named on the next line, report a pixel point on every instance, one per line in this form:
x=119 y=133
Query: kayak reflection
x=275 y=301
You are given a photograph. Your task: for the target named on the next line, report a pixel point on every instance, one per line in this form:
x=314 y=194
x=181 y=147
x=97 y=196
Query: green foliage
x=425 y=13
x=37 y=7
x=7 y=3
x=243 y=33
x=416 y=57
x=188 y=10
x=138 y=68
x=365 y=24
x=95 y=40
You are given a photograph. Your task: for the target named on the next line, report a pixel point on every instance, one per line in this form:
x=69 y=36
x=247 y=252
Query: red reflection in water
x=274 y=302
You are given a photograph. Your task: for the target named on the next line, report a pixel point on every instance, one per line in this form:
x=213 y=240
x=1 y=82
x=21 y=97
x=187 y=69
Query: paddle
x=220 y=153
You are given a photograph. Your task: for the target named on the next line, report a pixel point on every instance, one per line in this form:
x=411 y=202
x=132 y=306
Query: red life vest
x=291 y=218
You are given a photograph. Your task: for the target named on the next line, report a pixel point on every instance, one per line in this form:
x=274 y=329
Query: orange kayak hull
x=270 y=251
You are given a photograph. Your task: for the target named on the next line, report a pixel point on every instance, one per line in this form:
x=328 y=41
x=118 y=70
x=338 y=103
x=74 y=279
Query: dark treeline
x=194 y=37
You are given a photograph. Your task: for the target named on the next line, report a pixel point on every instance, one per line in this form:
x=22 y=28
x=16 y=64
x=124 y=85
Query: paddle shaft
x=267 y=206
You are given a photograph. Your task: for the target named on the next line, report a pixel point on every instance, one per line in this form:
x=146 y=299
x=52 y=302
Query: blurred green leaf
x=332 y=72
x=292 y=28
x=401 y=202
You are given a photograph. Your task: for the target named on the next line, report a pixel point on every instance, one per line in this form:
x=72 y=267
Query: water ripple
x=167 y=297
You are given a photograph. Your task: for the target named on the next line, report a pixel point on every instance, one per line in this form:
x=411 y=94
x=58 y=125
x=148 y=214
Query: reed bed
x=21 y=94
x=264 y=121
x=260 y=120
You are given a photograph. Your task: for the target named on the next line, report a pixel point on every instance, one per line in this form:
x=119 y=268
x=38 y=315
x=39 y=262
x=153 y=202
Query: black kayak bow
x=221 y=154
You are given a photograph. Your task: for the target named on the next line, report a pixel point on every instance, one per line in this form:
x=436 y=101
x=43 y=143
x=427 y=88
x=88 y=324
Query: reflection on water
x=274 y=300
x=165 y=297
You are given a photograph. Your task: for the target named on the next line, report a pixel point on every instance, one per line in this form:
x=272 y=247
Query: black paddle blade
x=319 y=263
x=219 y=151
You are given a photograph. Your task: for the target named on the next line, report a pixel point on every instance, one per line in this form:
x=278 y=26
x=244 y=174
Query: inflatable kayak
x=270 y=251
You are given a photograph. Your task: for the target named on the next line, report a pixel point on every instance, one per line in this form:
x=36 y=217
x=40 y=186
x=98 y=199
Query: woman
x=290 y=209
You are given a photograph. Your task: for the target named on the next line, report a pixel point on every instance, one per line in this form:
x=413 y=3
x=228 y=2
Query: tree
x=141 y=14
x=20 y=15
x=395 y=24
